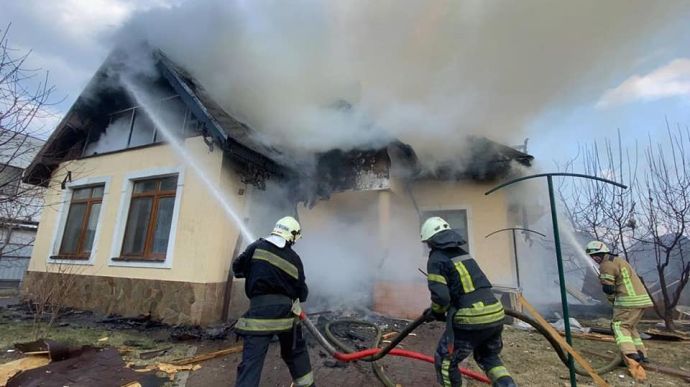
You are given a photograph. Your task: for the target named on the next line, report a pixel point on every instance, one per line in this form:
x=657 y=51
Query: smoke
x=311 y=76
x=537 y=254
x=346 y=248
x=427 y=73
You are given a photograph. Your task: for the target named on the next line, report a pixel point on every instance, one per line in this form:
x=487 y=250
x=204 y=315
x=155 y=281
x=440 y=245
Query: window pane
x=137 y=223
x=192 y=125
x=142 y=132
x=145 y=186
x=91 y=227
x=70 y=239
x=9 y=180
x=114 y=137
x=82 y=193
x=163 y=222
x=97 y=192
x=169 y=183
x=173 y=111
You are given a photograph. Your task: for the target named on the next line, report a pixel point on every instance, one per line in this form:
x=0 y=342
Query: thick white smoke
x=311 y=76
x=426 y=72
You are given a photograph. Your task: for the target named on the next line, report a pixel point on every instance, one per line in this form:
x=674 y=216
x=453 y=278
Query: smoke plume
x=311 y=76
x=427 y=73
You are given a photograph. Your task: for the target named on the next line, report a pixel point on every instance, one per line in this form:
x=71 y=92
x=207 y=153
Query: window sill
x=137 y=259
x=68 y=258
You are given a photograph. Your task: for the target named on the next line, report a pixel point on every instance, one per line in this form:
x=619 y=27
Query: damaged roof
x=237 y=136
x=335 y=170
x=255 y=160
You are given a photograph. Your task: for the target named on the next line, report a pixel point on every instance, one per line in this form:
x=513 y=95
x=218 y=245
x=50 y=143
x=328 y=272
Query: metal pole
x=561 y=277
x=517 y=265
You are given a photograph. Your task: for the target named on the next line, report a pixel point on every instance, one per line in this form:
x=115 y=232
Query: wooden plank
x=580 y=360
x=590 y=336
x=668 y=335
x=207 y=356
x=649 y=366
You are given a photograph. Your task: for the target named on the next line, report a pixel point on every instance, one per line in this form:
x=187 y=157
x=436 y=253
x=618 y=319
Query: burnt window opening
x=134 y=127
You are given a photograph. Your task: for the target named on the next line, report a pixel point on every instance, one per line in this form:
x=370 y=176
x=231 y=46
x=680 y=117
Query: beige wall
x=389 y=217
x=366 y=245
x=485 y=214
x=204 y=236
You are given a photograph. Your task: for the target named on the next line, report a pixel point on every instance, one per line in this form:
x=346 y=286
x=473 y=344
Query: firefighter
x=461 y=296
x=629 y=297
x=275 y=285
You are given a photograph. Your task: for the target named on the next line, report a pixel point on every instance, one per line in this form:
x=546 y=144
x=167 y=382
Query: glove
x=430 y=315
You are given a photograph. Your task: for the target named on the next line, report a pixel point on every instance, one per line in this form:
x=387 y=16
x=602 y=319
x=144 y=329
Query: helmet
x=433 y=226
x=287 y=228
x=596 y=247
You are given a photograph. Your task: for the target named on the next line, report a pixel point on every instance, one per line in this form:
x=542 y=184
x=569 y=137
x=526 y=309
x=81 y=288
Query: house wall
x=189 y=286
x=401 y=289
x=363 y=248
x=341 y=248
x=486 y=214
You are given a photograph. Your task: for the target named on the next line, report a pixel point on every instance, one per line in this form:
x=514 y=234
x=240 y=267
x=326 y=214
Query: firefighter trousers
x=624 y=326
x=484 y=344
x=293 y=350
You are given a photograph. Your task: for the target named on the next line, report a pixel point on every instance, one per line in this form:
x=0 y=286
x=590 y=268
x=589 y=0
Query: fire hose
x=374 y=354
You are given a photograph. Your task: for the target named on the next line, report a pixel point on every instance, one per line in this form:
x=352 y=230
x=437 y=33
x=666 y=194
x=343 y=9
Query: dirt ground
x=527 y=355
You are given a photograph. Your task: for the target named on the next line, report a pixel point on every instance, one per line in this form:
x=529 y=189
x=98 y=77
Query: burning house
x=145 y=230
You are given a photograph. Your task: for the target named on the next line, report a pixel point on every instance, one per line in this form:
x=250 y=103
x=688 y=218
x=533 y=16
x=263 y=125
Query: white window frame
x=123 y=213
x=460 y=207
x=59 y=231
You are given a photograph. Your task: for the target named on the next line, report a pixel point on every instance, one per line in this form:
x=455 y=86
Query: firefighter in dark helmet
x=461 y=296
x=275 y=285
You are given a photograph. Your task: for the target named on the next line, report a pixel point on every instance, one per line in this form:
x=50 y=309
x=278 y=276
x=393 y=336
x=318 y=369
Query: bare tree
x=665 y=200
x=649 y=219
x=603 y=210
x=25 y=93
x=47 y=297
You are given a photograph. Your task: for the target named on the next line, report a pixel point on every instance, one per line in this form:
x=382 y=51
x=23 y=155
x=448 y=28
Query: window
x=134 y=126
x=147 y=230
x=82 y=219
x=457 y=220
x=10 y=177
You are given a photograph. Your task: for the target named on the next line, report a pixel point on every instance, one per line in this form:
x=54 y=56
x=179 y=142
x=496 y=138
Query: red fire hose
x=347 y=357
x=372 y=354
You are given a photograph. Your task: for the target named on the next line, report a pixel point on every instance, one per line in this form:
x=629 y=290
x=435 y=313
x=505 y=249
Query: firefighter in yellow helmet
x=461 y=296
x=275 y=281
x=628 y=295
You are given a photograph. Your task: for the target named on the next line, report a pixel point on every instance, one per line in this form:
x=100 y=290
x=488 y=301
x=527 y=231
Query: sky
x=71 y=38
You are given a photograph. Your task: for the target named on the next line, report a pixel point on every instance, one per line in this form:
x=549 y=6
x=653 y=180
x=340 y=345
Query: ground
x=526 y=354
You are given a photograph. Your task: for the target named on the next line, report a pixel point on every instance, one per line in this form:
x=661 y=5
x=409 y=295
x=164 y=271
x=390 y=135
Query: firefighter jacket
x=628 y=289
x=459 y=286
x=274 y=279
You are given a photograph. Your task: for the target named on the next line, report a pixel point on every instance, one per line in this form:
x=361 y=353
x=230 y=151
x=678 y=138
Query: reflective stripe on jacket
x=630 y=292
x=456 y=280
x=274 y=280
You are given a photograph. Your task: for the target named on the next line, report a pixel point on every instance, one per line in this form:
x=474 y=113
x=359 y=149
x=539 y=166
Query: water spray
x=140 y=98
